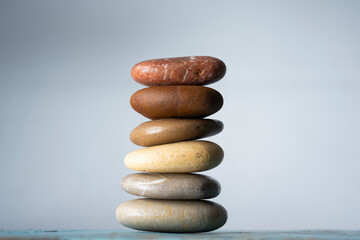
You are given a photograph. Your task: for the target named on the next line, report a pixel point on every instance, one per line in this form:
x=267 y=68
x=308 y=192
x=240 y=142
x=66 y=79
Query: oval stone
x=176 y=102
x=171 y=215
x=176 y=186
x=172 y=130
x=181 y=157
x=198 y=70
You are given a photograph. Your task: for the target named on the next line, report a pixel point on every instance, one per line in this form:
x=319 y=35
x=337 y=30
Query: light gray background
x=291 y=112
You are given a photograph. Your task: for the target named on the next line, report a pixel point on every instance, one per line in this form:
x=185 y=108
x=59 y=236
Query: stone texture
x=171 y=215
x=171 y=186
x=198 y=70
x=181 y=157
x=172 y=130
x=176 y=102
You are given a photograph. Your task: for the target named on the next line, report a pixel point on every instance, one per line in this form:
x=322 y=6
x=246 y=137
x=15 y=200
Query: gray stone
x=171 y=186
x=171 y=215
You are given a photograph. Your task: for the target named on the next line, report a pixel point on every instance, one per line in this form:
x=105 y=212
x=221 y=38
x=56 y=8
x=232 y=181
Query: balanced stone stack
x=176 y=104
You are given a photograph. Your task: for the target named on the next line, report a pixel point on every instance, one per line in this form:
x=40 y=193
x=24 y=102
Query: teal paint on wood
x=260 y=235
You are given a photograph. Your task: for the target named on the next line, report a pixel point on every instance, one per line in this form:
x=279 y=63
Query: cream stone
x=181 y=157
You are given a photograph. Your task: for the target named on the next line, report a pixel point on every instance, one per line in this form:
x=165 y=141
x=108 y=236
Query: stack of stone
x=176 y=104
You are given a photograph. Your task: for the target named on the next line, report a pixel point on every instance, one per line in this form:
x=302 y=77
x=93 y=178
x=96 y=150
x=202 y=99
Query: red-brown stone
x=200 y=70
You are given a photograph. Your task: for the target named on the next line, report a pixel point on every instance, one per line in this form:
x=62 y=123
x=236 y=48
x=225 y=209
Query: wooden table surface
x=241 y=235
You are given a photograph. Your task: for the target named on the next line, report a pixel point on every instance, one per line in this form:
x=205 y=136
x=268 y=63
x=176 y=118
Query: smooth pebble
x=171 y=215
x=181 y=157
x=171 y=130
x=196 y=70
x=176 y=102
x=171 y=186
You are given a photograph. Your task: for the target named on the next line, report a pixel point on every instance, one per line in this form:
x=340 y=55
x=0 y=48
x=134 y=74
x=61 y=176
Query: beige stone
x=181 y=157
x=171 y=215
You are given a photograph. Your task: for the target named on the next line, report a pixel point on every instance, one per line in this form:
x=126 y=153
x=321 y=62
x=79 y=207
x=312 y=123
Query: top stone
x=199 y=70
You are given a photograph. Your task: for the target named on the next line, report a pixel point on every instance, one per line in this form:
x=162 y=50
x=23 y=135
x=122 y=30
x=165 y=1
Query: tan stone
x=171 y=130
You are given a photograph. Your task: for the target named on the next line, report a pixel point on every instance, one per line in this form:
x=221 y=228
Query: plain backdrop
x=291 y=110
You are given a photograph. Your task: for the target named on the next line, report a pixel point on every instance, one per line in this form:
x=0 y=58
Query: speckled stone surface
x=171 y=215
x=171 y=186
x=181 y=157
x=172 y=130
x=196 y=70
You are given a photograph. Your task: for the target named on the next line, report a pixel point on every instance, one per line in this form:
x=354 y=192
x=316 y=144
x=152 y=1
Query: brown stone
x=176 y=102
x=172 y=130
x=198 y=70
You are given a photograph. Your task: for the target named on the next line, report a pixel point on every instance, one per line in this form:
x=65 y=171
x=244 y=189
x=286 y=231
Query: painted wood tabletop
x=243 y=235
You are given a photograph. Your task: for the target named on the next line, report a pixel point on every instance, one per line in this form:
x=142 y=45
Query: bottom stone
x=171 y=215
